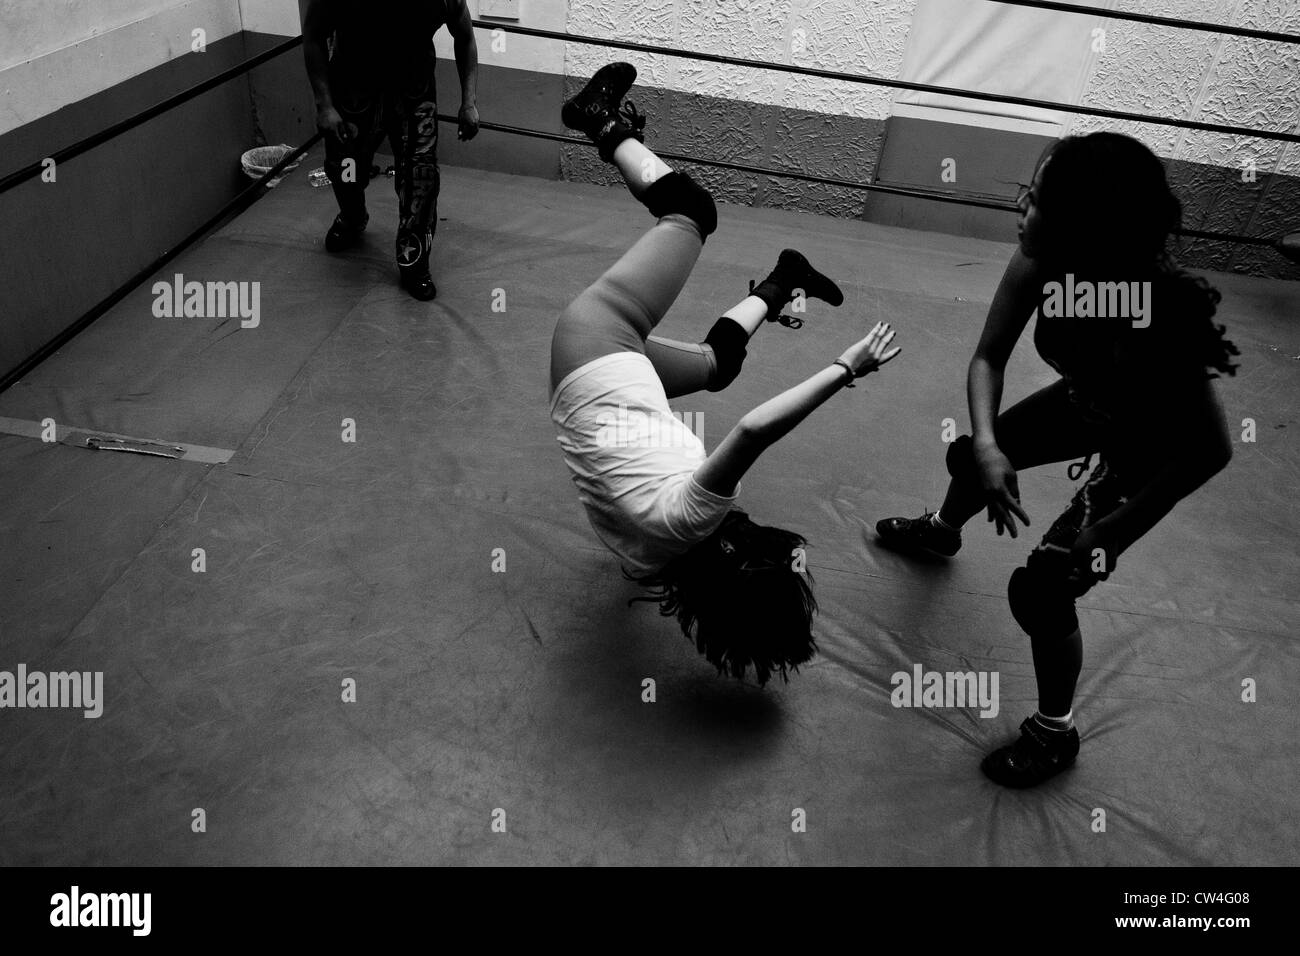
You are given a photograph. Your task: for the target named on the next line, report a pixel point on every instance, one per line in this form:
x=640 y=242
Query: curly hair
x=741 y=597
x=1188 y=334
x=1089 y=184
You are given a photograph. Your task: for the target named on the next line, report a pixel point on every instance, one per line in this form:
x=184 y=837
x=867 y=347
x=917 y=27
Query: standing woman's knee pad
x=1041 y=603
x=678 y=193
x=960 y=460
x=728 y=341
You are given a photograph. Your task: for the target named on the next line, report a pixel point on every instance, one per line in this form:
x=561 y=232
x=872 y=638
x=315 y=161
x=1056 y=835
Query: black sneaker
x=597 y=111
x=1038 y=755
x=795 y=272
x=913 y=535
x=344 y=234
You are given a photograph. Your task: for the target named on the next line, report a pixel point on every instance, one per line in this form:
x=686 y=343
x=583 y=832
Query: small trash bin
x=260 y=160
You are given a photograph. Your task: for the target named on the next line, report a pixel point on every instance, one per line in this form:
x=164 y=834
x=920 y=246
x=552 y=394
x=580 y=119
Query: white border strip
x=1011 y=124
x=78 y=438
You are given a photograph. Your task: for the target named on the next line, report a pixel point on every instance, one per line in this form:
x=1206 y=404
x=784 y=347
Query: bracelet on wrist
x=848 y=383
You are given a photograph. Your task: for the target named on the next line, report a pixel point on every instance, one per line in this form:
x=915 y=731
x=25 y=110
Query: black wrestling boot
x=413 y=263
x=417 y=281
x=912 y=535
x=794 y=273
x=598 y=112
x=1038 y=755
x=345 y=233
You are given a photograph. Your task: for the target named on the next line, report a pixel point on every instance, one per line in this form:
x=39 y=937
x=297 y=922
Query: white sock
x=940 y=523
x=1056 y=723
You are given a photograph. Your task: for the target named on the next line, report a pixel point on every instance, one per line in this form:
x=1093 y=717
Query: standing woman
x=652 y=495
x=1135 y=390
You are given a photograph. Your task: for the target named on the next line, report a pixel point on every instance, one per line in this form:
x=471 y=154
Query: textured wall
x=744 y=115
x=1216 y=79
x=835 y=129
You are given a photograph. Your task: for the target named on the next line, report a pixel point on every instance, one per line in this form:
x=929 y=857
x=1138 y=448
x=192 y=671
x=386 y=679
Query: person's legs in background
x=348 y=163
x=413 y=133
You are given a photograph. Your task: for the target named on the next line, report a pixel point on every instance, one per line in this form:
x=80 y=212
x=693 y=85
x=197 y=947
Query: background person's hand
x=330 y=122
x=1001 y=487
x=866 y=356
x=468 y=123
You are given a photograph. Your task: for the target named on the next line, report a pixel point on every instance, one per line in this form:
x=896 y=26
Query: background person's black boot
x=417 y=281
x=413 y=264
x=345 y=232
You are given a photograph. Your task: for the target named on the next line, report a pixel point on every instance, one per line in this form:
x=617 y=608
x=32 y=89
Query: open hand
x=330 y=122
x=872 y=352
x=1001 y=488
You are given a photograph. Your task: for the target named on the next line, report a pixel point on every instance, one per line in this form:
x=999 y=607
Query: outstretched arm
x=761 y=428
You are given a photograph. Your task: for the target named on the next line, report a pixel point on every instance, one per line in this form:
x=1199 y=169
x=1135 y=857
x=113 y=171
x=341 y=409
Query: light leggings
x=620 y=310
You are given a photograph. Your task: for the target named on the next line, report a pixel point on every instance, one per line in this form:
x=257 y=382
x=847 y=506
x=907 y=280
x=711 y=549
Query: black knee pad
x=960 y=460
x=728 y=340
x=1041 y=603
x=678 y=193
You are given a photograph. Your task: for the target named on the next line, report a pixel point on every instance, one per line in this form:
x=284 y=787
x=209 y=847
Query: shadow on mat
x=698 y=715
x=721 y=711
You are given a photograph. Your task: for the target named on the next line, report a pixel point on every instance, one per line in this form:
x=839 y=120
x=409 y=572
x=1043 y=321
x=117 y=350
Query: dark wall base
x=984 y=164
x=991 y=163
x=119 y=206
x=1215 y=198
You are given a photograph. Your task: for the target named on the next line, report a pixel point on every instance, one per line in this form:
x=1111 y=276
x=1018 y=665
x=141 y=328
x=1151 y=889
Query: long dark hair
x=1088 y=184
x=742 y=597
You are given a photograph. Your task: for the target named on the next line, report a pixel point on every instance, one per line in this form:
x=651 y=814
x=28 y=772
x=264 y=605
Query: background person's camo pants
x=404 y=109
